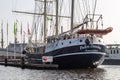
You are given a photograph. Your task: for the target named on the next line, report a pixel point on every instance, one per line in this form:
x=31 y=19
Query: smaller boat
x=113 y=55
x=95 y=31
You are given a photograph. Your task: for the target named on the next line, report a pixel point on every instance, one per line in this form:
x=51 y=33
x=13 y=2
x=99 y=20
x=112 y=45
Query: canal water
x=103 y=72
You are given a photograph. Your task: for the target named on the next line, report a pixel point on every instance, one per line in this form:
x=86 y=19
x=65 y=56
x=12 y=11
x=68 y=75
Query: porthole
x=80 y=40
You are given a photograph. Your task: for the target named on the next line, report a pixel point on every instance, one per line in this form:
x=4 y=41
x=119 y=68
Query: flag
x=7 y=28
x=47 y=58
x=21 y=29
x=2 y=27
x=48 y=18
x=2 y=34
x=42 y=30
x=35 y=29
x=15 y=28
x=28 y=29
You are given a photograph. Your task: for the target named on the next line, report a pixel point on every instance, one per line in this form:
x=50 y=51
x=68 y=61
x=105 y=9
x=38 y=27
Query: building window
x=99 y=40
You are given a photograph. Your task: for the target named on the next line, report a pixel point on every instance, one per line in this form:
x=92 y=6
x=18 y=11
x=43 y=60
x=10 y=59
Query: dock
x=21 y=61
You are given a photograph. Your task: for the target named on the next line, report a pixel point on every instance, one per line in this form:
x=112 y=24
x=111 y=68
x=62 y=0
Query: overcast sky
x=6 y=15
x=110 y=9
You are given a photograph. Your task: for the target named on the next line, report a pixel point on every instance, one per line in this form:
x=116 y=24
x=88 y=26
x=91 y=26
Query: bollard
x=6 y=61
x=22 y=62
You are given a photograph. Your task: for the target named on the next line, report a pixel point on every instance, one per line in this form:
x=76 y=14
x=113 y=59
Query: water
x=103 y=72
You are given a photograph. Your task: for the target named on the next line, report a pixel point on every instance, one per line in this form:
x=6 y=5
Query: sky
x=111 y=18
x=7 y=16
x=108 y=8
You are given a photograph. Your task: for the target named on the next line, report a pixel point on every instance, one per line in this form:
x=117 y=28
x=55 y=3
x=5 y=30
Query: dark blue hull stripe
x=77 y=49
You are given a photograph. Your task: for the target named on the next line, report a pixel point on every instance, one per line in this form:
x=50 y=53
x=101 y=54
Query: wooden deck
x=21 y=61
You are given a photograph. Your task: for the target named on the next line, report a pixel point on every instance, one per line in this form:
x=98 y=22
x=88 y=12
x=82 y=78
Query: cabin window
x=117 y=51
x=70 y=42
x=52 y=41
x=48 y=40
x=62 y=43
x=57 y=44
x=111 y=51
x=114 y=51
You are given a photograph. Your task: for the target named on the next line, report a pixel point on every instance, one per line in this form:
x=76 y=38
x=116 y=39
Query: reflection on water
x=100 y=73
x=74 y=74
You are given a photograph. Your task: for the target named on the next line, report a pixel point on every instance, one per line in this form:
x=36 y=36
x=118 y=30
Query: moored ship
x=81 y=46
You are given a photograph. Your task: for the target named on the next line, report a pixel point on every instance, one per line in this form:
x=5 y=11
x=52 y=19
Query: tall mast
x=72 y=14
x=45 y=15
x=57 y=17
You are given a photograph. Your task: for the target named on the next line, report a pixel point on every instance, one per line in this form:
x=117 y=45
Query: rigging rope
x=60 y=13
x=94 y=12
x=84 y=7
x=88 y=7
x=79 y=6
x=32 y=29
x=95 y=7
